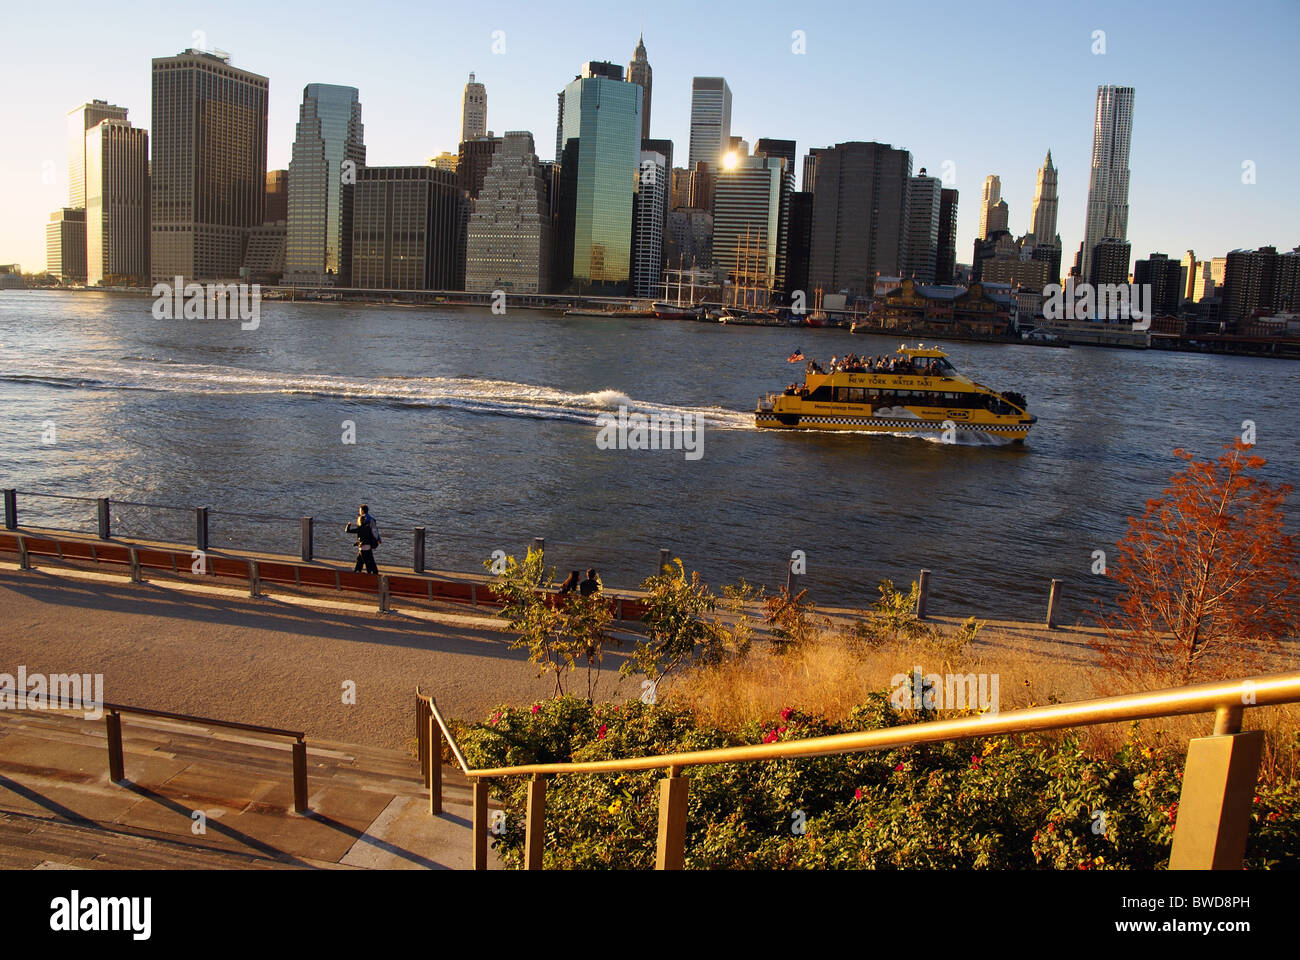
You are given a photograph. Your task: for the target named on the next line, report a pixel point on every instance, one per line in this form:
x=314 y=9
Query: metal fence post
x=433 y=745
x=1052 y=597
x=1218 y=786
x=105 y=533
x=305 y=537
x=11 y=509
x=384 y=596
x=254 y=580
x=417 y=563
x=671 y=847
x=664 y=560
x=535 y=833
x=480 y=824
x=24 y=558
x=924 y=598
x=136 y=575
x=116 y=768
x=201 y=527
x=300 y=776
x=539 y=544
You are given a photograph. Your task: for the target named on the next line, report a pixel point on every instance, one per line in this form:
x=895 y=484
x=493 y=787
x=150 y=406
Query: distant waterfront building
x=473 y=162
x=1043 y=226
x=65 y=245
x=445 y=161
x=664 y=148
x=277 y=197
x=767 y=147
x=407 y=229
x=946 y=257
x=598 y=165
x=1259 y=282
x=860 y=216
x=208 y=172
x=264 y=256
x=710 y=120
x=1112 y=134
x=799 y=245
x=998 y=245
x=923 y=227
x=1109 y=262
x=648 y=220
x=1165 y=277
x=1188 y=275
x=509 y=243
x=680 y=191
x=117 y=204
x=639 y=72
x=473 y=111
x=999 y=219
x=81 y=120
x=704 y=177
x=328 y=150
x=989 y=197
x=809 y=182
x=751 y=206
x=689 y=242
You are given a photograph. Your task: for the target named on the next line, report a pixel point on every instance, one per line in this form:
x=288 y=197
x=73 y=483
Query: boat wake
x=471 y=395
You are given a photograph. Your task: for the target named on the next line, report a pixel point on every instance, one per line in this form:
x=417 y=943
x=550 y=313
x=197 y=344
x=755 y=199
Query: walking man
x=367 y=539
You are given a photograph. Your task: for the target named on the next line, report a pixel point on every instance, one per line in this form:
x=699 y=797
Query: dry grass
x=832 y=675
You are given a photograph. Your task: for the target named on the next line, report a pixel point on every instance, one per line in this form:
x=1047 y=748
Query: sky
x=969 y=88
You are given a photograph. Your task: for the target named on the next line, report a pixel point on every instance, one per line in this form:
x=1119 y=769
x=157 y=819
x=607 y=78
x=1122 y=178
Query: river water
x=483 y=429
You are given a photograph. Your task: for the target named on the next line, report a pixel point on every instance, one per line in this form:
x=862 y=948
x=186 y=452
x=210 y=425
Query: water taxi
x=922 y=394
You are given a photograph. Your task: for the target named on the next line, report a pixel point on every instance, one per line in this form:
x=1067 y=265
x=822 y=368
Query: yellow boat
x=923 y=394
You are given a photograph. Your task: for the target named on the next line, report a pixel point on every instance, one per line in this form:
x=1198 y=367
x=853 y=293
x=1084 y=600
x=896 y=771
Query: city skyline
x=533 y=64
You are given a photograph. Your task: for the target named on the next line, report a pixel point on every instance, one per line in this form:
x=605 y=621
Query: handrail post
x=385 y=597
x=664 y=560
x=671 y=847
x=136 y=575
x=304 y=537
x=1218 y=787
x=433 y=746
x=300 y=777
x=254 y=580
x=480 y=824
x=535 y=838
x=116 y=767
x=1052 y=597
x=105 y=531
x=11 y=509
x=24 y=558
x=923 y=598
x=201 y=527
x=417 y=561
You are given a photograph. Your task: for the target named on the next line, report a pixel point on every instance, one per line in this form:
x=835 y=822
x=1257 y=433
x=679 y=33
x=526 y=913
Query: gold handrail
x=1201 y=698
x=446 y=731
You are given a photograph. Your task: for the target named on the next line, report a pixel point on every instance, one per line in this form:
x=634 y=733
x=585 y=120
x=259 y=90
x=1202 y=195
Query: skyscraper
x=65 y=245
x=1165 y=279
x=473 y=111
x=751 y=208
x=601 y=134
x=407 y=229
x=648 y=224
x=80 y=120
x=768 y=147
x=639 y=72
x=989 y=198
x=208 y=173
x=923 y=227
x=946 y=258
x=710 y=120
x=1044 y=220
x=860 y=216
x=473 y=162
x=1112 y=133
x=277 y=196
x=509 y=243
x=1189 y=274
x=999 y=219
x=117 y=203
x=328 y=150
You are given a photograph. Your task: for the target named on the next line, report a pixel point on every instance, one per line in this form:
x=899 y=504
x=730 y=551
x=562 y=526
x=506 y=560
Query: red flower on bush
x=769 y=737
x=899 y=768
x=785 y=714
x=536 y=707
x=857 y=794
x=975 y=760
x=600 y=734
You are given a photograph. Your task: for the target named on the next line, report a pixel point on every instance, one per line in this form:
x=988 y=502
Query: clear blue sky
x=987 y=86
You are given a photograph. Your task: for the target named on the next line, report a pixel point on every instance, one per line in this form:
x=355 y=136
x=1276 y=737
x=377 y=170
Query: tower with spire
x=639 y=72
x=1043 y=226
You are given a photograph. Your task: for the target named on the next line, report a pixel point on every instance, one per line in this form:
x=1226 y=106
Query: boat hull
x=848 y=421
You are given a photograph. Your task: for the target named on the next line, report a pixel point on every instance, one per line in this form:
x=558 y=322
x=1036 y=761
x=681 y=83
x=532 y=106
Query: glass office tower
x=601 y=137
x=318 y=245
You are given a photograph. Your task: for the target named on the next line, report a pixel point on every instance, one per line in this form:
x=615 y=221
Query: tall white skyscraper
x=989 y=198
x=473 y=111
x=1044 y=223
x=117 y=203
x=80 y=121
x=1112 y=133
x=710 y=120
x=648 y=224
x=923 y=227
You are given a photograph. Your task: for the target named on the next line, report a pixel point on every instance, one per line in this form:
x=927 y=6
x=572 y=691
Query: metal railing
x=1213 y=812
x=117 y=761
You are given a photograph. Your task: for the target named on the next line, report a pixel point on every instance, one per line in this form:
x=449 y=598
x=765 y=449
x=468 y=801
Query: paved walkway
x=58 y=809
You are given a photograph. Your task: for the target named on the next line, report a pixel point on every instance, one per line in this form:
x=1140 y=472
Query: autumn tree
x=1207 y=575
